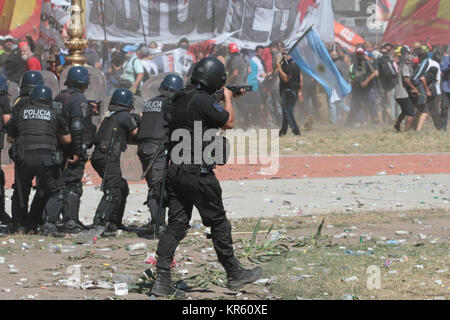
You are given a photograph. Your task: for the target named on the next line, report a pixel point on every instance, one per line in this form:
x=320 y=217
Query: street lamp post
x=76 y=43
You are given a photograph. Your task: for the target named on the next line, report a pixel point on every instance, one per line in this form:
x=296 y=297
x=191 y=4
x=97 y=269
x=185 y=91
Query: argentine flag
x=313 y=58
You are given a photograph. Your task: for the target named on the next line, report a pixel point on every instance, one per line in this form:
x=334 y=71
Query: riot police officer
x=36 y=131
x=78 y=114
x=29 y=81
x=153 y=141
x=192 y=183
x=111 y=139
x=5 y=115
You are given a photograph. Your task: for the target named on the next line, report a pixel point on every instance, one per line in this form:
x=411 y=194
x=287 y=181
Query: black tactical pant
x=147 y=151
x=39 y=164
x=444 y=110
x=188 y=187
x=115 y=191
x=69 y=203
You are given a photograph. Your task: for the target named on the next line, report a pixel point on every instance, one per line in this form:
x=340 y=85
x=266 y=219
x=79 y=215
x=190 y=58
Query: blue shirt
x=445 y=66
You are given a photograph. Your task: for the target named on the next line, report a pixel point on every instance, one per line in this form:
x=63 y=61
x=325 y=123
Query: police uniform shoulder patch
x=218 y=107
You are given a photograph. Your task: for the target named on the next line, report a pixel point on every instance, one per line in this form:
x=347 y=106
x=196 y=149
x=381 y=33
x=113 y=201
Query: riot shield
x=150 y=89
x=13 y=92
x=51 y=81
x=129 y=161
x=97 y=86
x=95 y=91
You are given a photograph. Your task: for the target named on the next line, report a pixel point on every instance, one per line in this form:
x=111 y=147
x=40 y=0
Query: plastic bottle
x=136 y=246
x=61 y=248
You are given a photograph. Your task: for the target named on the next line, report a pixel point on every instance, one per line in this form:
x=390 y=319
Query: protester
x=32 y=62
x=133 y=71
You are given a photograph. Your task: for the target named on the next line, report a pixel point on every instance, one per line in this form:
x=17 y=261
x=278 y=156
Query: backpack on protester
x=387 y=68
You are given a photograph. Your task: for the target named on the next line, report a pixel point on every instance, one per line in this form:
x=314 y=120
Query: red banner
x=346 y=37
x=20 y=18
x=414 y=21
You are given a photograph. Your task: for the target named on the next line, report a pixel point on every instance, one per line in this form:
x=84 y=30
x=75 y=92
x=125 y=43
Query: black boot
x=74 y=227
x=238 y=277
x=164 y=287
x=50 y=229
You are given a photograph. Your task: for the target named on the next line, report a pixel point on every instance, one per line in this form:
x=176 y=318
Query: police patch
x=218 y=107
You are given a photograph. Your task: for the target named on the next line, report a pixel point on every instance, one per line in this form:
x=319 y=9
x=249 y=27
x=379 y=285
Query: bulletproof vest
x=37 y=127
x=104 y=135
x=154 y=125
x=179 y=118
x=19 y=103
x=61 y=104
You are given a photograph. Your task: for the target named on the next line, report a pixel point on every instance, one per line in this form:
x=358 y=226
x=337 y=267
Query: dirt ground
x=286 y=242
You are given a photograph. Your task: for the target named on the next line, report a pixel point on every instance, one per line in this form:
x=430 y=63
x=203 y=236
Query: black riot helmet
x=42 y=95
x=78 y=77
x=210 y=74
x=29 y=81
x=171 y=84
x=123 y=97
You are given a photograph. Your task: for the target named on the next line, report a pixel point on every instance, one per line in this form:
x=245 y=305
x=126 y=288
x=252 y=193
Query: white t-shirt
x=260 y=66
x=151 y=67
x=433 y=63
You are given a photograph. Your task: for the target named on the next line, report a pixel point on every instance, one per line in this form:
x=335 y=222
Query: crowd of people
x=376 y=73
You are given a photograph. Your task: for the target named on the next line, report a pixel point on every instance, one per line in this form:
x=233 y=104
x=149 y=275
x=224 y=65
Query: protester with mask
x=362 y=76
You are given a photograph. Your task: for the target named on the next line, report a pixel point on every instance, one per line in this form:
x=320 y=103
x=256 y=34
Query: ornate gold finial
x=77 y=44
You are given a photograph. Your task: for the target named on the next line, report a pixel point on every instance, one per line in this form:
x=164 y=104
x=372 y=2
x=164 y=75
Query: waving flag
x=312 y=57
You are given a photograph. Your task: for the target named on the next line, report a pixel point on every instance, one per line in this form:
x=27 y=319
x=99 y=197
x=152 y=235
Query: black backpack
x=387 y=68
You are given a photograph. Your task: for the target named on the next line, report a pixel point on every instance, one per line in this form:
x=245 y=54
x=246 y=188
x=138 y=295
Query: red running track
x=297 y=167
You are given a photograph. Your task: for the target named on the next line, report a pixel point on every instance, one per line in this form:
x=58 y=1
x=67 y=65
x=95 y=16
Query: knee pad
x=178 y=230
x=71 y=206
x=105 y=207
x=54 y=207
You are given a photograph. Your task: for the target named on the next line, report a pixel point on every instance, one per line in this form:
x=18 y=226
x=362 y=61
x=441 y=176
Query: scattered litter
x=438 y=282
x=382 y=173
x=24 y=247
x=300 y=277
x=13 y=271
x=359 y=253
x=6 y=290
x=388 y=263
x=95 y=284
x=124 y=279
x=121 y=289
x=354 y=278
x=11 y=241
x=182 y=286
x=442 y=271
x=393 y=272
x=417 y=221
x=422 y=236
x=183 y=271
x=418 y=266
x=136 y=246
x=2 y=260
x=401 y=241
x=401 y=233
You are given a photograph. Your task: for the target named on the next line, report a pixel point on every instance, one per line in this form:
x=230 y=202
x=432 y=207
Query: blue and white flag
x=313 y=58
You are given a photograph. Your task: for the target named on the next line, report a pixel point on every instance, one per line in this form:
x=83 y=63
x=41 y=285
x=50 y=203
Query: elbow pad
x=76 y=131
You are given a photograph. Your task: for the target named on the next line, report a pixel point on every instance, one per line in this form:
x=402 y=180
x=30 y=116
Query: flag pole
x=300 y=39
x=142 y=22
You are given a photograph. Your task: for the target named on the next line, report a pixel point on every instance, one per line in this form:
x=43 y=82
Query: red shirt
x=33 y=64
x=267 y=58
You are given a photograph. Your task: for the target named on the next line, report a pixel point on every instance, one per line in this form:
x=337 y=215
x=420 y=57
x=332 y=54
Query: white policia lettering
x=32 y=114
x=153 y=106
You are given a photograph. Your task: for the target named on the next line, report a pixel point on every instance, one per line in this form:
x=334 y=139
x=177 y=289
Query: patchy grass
x=328 y=266
x=329 y=139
